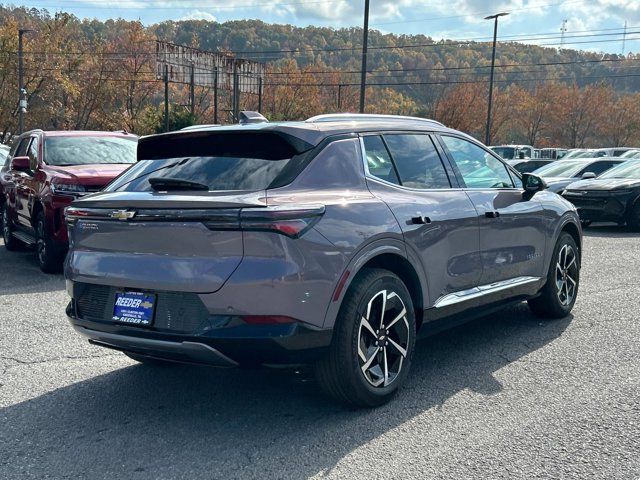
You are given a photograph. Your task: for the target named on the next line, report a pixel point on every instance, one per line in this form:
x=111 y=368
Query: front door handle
x=420 y=220
x=492 y=214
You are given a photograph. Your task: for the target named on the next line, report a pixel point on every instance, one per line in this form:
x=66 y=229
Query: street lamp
x=22 y=98
x=493 y=65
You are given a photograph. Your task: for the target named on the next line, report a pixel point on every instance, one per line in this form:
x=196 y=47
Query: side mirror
x=533 y=183
x=588 y=175
x=20 y=164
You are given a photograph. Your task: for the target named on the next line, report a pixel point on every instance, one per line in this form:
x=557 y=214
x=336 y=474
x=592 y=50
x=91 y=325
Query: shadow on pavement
x=193 y=422
x=19 y=273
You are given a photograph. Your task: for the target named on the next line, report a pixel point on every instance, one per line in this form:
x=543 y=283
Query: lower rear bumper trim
x=194 y=351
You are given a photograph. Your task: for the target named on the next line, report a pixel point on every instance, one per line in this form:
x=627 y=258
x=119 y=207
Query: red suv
x=45 y=173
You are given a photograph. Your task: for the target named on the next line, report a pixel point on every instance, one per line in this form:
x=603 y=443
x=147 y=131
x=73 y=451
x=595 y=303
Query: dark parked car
x=528 y=166
x=612 y=197
x=47 y=171
x=559 y=174
x=329 y=242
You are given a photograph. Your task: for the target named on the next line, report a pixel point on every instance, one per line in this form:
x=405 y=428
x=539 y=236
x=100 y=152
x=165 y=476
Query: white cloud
x=199 y=15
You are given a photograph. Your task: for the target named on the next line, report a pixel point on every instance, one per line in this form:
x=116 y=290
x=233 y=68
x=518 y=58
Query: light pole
x=365 y=40
x=22 y=93
x=495 y=17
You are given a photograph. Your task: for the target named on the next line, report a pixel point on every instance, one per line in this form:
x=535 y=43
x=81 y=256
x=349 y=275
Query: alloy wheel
x=383 y=339
x=566 y=275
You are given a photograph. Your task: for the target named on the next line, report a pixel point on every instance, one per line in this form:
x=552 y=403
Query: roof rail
x=364 y=117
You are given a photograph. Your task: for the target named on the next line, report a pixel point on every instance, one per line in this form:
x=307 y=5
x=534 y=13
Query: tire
x=559 y=294
x=11 y=243
x=151 y=361
x=48 y=254
x=633 y=220
x=353 y=372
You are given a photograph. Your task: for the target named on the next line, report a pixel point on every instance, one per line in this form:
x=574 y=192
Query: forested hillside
x=93 y=74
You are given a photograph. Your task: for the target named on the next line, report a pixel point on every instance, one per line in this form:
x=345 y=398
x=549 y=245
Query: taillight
x=292 y=221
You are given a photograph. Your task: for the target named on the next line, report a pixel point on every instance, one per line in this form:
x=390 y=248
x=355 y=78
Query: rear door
x=512 y=233
x=438 y=221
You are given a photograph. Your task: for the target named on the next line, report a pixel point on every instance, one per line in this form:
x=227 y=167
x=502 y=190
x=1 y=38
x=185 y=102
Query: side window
x=33 y=154
x=598 y=167
x=22 y=149
x=479 y=169
x=378 y=159
x=417 y=160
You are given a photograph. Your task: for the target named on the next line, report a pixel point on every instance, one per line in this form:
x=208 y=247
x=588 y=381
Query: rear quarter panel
x=357 y=224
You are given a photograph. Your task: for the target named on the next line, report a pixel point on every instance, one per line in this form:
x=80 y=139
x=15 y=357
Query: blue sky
x=591 y=24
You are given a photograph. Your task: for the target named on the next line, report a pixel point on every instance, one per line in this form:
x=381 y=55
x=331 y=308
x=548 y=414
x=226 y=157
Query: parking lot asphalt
x=508 y=396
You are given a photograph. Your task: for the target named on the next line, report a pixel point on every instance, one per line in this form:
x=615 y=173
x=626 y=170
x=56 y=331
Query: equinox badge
x=122 y=214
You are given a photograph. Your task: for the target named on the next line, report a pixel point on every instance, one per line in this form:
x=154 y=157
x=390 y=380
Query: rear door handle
x=420 y=220
x=492 y=214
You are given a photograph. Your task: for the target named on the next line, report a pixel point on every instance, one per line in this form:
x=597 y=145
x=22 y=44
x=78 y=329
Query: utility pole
x=215 y=95
x=340 y=97
x=365 y=40
x=192 y=90
x=493 y=66
x=166 y=98
x=260 y=94
x=624 y=36
x=236 y=93
x=22 y=93
x=563 y=30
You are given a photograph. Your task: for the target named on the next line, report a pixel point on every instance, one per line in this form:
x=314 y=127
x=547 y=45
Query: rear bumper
x=226 y=346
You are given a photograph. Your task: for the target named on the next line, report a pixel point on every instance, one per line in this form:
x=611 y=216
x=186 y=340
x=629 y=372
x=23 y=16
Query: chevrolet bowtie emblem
x=122 y=214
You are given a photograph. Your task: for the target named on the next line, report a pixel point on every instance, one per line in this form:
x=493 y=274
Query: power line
x=432 y=44
x=447 y=82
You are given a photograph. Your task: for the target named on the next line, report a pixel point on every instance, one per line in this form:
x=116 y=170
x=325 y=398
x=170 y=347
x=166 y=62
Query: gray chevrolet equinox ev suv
x=329 y=242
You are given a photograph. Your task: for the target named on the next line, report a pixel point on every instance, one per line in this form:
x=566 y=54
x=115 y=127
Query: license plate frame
x=133 y=308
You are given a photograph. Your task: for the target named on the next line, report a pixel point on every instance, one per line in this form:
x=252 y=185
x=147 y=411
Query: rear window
x=65 y=151
x=246 y=161
x=505 y=152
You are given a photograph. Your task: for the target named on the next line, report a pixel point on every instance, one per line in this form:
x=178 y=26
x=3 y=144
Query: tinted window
x=507 y=153
x=89 y=150
x=21 y=151
x=479 y=169
x=598 y=167
x=417 y=161
x=378 y=159
x=33 y=154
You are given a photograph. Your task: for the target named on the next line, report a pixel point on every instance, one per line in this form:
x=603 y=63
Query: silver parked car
x=559 y=174
x=330 y=242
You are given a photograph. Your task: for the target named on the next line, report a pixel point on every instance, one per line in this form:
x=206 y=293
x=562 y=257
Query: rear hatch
x=172 y=221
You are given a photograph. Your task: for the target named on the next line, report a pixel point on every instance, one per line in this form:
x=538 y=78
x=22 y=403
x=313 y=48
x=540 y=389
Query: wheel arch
x=572 y=229
x=390 y=256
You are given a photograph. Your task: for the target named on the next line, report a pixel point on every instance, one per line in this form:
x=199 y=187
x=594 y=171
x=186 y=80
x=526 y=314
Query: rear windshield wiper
x=165 y=184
